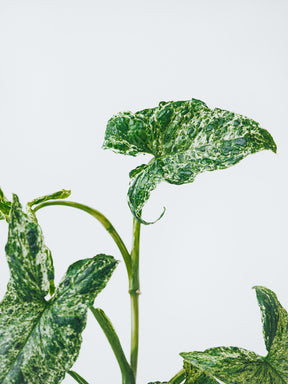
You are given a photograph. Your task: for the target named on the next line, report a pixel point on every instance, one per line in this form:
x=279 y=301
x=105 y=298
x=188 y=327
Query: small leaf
x=159 y=382
x=39 y=339
x=63 y=194
x=185 y=138
x=237 y=365
x=5 y=206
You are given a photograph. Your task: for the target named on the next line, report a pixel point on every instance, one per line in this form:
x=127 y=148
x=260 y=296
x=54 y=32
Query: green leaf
x=185 y=138
x=39 y=339
x=63 y=194
x=5 y=206
x=237 y=365
x=197 y=376
x=159 y=382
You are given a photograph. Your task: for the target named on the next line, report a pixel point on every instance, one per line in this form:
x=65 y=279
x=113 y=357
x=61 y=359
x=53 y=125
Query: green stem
x=126 y=371
x=178 y=378
x=77 y=377
x=103 y=220
x=134 y=290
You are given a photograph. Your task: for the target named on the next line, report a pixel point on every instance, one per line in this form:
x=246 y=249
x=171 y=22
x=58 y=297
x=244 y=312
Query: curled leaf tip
x=186 y=138
x=139 y=218
x=63 y=194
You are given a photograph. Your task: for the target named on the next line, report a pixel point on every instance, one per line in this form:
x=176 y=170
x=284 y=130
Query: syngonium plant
x=41 y=326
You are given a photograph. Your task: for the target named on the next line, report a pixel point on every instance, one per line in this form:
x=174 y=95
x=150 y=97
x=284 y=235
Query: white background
x=66 y=67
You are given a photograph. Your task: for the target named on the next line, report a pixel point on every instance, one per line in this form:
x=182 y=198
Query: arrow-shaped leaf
x=39 y=339
x=237 y=365
x=185 y=138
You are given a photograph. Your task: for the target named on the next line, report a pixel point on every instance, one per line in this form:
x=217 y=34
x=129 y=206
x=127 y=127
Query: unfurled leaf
x=63 y=194
x=39 y=339
x=185 y=138
x=237 y=365
x=5 y=206
x=197 y=376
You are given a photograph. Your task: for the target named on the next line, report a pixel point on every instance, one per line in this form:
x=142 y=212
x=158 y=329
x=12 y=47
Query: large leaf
x=237 y=365
x=185 y=139
x=39 y=339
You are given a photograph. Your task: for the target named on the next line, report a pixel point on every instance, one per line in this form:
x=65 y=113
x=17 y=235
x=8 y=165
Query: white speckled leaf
x=5 y=206
x=237 y=365
x=186 y=138
x=39 y=339
x=197 y=376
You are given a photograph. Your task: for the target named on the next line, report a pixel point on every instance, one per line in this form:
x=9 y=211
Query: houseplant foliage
x=41 y=326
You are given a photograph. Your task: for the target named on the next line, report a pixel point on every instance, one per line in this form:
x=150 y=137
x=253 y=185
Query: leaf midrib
x=266 y=359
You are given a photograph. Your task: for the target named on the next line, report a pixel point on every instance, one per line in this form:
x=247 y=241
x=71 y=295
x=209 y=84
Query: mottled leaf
x=159 y=382
x=29 y=259
x=185 y=138
x=197 y=376
x=63 y=194
x=237 y=365
x=39 y=339
x=5 y=206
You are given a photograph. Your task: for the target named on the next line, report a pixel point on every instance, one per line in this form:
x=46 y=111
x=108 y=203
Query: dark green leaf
x=63 y=194
x=39 y=339
x=185 y=138
x=237 y=365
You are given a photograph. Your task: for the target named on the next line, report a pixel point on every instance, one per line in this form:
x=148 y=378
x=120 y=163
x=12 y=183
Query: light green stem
x=109 y=331
x=134 y=290
x=103 y=220
x=77 y=377
x=132 y=266
x=178 y=378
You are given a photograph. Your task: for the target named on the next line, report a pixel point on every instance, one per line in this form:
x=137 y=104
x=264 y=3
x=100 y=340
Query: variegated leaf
x=159 y=382
x=63 y=194
x=237 y=365
x=5 y=206
x=185 y=138
x=197 y=376
x=39 y=339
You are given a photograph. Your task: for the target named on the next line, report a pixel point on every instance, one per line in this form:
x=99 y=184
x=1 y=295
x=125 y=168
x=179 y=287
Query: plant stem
x=126 y=371
x=103 y=220
x=134 y=290
x=178 y=378
x=77 y=377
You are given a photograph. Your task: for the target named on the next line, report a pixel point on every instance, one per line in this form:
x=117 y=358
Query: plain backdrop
x=66 y=67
